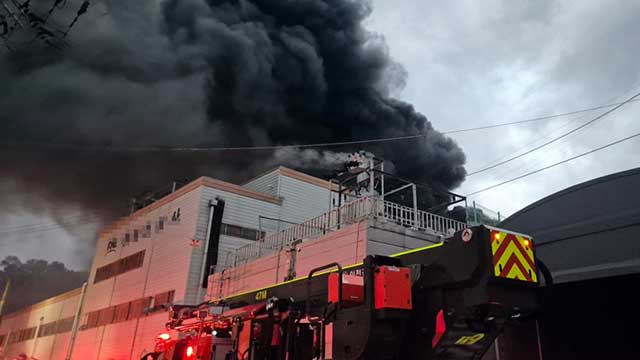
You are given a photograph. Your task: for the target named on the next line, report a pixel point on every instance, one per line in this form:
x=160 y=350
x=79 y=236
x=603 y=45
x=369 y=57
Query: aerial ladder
x=445 y=301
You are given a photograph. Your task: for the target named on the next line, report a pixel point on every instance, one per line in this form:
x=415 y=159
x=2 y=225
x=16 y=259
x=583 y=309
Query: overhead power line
x=43 y=227
x=302 y=146
x=554 y=164
x=601 y=116
x=69 y=220
x=51 y=228
x=535 y=119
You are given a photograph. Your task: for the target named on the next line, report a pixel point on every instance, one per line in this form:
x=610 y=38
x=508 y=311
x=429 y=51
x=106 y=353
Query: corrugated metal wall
x=267 y=183
x=239 y=210
x=302 y=200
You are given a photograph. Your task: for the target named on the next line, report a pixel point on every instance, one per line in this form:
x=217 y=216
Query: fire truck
x=444 y=301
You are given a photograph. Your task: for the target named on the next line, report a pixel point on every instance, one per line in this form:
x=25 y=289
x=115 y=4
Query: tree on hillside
x=36 y=280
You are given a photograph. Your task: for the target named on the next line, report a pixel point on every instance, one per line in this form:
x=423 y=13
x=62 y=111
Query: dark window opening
x=241 y=232
x=160 y=223
x=119 y=267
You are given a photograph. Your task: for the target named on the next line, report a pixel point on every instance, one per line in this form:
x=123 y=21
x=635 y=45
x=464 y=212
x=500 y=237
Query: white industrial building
x=164 y=253
x=155 y=256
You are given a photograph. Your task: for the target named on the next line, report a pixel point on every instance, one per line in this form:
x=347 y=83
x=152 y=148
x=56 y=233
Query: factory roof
x=588 y=230
x=295 y=174
x=220 y=185
x=48 y=301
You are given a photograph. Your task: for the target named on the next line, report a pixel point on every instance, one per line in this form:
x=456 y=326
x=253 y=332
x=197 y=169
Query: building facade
x=161 y=254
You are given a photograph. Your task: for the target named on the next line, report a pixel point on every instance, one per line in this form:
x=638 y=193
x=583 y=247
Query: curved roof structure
x=589 y=230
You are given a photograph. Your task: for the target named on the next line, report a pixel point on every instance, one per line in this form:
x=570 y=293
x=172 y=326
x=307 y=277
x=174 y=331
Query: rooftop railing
x=347 y=214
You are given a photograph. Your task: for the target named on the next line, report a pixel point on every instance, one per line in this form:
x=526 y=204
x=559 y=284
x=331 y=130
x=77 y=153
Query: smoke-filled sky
x=211 y=73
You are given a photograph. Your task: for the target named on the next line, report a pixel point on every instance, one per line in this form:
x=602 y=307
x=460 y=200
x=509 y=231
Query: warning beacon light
x=189 y=352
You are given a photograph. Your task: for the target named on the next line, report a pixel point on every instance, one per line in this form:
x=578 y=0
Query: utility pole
x=4 y=297
x=35 y=342
x=76 y=322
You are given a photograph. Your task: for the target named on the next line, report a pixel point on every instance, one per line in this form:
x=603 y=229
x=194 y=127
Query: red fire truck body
x=445 y=301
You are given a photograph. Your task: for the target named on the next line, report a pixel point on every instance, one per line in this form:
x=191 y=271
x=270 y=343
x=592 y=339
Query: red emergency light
x=189 y=352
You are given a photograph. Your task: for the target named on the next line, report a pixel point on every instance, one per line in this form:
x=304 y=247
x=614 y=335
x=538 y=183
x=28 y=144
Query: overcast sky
x=484 y=62
x=472 y=63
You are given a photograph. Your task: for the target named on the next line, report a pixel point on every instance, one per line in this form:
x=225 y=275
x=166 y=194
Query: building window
x=105 y=272
x=122 y=312
x=47 y=329
x=241 y=232
x=13 y=337
x=164 y=298
x=30 y=333
x=160 y=224
x=138 y=307
x=147 y=230
x=92 y=319
x=119 y=267
x=136 y=235
x=118 y=313
x=64 y=325
x=175 y=217
x=22 y=335
x=56 y=327
x=105 y=316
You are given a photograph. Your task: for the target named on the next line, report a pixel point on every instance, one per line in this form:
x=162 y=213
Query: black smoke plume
x=197 y=73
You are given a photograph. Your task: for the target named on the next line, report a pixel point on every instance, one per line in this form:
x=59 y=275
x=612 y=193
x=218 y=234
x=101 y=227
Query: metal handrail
x=347 y=214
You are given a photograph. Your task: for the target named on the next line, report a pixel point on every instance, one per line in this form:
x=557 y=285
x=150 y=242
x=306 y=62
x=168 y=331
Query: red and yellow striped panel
x=513 y=256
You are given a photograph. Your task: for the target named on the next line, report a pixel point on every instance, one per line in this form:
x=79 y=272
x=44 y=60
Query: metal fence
x=420 y=220
x=480 y=215
x=347 y=214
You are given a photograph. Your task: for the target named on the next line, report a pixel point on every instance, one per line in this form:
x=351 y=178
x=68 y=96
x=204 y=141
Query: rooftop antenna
x=4 y=298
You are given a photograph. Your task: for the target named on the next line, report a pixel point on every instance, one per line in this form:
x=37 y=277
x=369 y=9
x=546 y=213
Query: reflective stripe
x=513 y=256
x=326 y=272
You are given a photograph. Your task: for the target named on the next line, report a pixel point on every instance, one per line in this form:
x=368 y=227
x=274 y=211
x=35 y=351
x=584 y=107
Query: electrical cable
x=547 y=117
x=530 y=165
x=601 y=116
x=53 y=227
x=49 y=227
x=56 y=228
x=587 y=233
x=300 y=146
x=555 y=164
x=508 y=171
x=70 y=219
